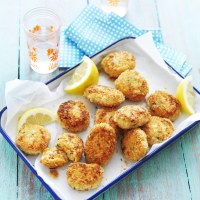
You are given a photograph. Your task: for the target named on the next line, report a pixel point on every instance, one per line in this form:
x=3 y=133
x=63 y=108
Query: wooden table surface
x=174 y=173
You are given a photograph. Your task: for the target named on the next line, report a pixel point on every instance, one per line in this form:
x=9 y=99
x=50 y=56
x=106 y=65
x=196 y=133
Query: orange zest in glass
x=113 y=2
x=52 y=54
x=50 y=51
x=33 y=54
x=35 y=29
x=51 y=28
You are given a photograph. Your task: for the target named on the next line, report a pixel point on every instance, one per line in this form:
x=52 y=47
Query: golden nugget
x=53 y=158
x=134 y=144
x=82 y=176
x=106 y=115
x=131 y=116
x=133 y=85
x=104 y=96
x=32 y=139
x=158 y=130
x=72 y=145
x=100 y=144
x=73 y=116
x=117 y=62
x=165 y=105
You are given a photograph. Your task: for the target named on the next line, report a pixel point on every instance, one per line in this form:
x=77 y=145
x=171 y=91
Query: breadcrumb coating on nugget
x=104 y=96
x=131 y=116
x=100 y=144
x=82 y=176
x=132 y=85
x=72 y=145
x=165 y=105
x=53 y=158
x=158 y=130
x=134 y=144
x=106 y=115
x=73 y=116
x=117 y=62
x=32 y=139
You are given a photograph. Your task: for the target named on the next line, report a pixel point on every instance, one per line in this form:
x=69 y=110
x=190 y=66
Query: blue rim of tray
x=117 y=179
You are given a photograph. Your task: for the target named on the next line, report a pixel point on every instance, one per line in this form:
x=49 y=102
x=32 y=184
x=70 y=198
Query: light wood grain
x=142 y=14
x=29 y=187
x=180 y=31
x=180 y=28
x=8 y=70
x=191 y=150
x=163 y=177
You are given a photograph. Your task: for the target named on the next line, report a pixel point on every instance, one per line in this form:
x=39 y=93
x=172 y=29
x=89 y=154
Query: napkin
x=93 y=30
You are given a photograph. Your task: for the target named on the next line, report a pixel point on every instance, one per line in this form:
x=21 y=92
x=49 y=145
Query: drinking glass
x=42 y=27
x=119 y=7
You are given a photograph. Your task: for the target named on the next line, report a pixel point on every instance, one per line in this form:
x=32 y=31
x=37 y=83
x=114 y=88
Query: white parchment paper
x=23 y=95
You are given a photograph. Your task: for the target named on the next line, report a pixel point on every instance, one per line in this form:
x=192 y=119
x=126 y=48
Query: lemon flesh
x=186 y=95
x=85 y=74
x=40 y=116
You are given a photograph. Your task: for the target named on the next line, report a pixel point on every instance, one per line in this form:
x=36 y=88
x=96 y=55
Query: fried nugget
x=158 y=130
x=134 y=144
x=73 y=116
x=104 y=96
x=165 y=105
x=106 y=115
x=100 y=144
x=32 y=139
x=53 y=158
x=131 y=116
x=82 y=176
x=72 y=145
x=117 y=62
x=132 y=85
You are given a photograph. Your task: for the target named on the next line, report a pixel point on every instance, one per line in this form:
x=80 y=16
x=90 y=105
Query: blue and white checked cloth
x=94 y=30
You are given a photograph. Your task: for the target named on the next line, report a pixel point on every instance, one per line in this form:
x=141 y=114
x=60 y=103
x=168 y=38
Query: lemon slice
x=40 y=116
x=185 y=94
x=85 y=74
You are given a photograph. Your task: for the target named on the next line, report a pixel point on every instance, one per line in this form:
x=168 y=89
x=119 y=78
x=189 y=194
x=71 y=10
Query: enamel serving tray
x=158 y=74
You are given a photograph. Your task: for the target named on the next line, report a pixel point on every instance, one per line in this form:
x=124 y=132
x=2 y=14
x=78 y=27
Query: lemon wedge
x=186 y=96
x=85 y=74
x=40 y=116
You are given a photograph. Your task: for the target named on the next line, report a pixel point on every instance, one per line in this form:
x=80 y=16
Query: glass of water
x=42 y=27
x=119 y=7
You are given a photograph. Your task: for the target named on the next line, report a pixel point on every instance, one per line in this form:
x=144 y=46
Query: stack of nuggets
x=141 y=127
x=141 y=130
